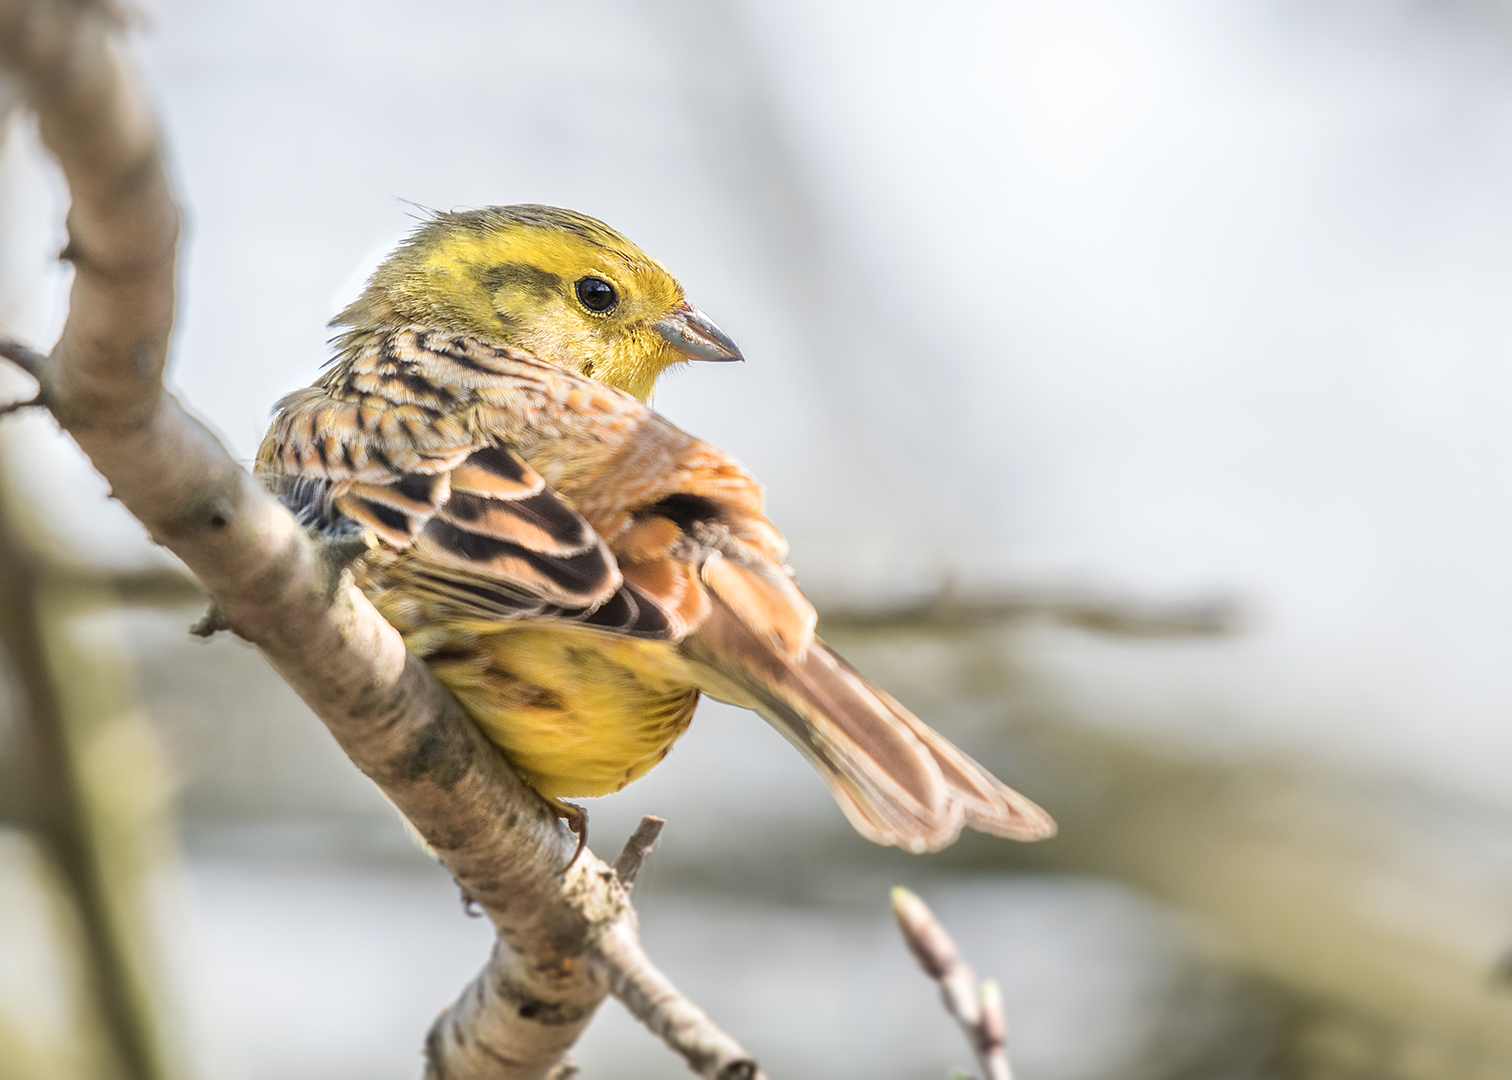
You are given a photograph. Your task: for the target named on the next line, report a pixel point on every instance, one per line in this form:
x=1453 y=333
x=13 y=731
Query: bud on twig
x=977 y=1008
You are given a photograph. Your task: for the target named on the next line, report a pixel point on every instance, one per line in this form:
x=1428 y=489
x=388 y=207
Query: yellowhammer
x=573 y=567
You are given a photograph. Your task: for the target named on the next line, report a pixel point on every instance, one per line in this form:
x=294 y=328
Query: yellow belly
x=577 y=712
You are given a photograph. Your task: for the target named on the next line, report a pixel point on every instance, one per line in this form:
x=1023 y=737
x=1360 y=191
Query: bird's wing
x=470 y=526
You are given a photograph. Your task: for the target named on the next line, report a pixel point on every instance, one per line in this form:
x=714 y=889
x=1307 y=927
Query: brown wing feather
x=990 y=805
x=495 y=473
x=764 y=598
x=898 y=781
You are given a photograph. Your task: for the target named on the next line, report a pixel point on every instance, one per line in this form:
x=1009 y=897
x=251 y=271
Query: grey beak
x=694 y=334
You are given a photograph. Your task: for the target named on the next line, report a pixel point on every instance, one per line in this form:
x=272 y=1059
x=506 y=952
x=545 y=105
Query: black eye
x=596 y=294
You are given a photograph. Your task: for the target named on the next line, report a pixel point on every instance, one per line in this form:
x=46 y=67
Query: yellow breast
x=578 y=712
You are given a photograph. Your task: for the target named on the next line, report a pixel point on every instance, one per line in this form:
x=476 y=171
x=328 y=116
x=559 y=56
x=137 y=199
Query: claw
x=470 y=906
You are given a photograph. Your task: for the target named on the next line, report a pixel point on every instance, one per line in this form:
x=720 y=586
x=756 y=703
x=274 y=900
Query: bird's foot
x=335 y=554
x=576 y=818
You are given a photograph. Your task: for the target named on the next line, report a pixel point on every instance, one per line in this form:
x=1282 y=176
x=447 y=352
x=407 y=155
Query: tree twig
x=659 y=1005
x=563 y=939
x=978 y=1008
x=628 y=866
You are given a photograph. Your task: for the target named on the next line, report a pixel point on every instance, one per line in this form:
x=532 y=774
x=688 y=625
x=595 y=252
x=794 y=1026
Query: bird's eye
x=596 y=294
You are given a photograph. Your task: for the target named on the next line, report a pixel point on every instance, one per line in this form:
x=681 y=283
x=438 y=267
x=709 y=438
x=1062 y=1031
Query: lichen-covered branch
x=562 y=938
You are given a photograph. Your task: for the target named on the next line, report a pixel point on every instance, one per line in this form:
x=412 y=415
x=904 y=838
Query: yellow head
x=558 y=284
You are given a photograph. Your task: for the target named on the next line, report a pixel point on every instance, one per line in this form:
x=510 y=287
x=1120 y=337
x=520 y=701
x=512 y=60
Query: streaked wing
x=505 y=526
x=460 y=520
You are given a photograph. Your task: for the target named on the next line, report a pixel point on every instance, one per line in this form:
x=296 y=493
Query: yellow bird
x=574 y=568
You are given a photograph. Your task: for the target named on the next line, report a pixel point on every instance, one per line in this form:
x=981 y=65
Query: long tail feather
x=897 y=780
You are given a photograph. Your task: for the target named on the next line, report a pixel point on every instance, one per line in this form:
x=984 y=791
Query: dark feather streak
x=685 y=510
x=544 y=511
x=585 y=572
x=417 y=487
x=397 y=520
x=499 y=462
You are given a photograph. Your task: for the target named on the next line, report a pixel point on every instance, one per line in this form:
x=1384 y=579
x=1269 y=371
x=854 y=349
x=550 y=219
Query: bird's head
x=558 y=284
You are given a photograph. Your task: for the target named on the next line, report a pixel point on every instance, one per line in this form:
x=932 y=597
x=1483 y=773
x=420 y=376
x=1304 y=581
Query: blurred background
x=1131 y=380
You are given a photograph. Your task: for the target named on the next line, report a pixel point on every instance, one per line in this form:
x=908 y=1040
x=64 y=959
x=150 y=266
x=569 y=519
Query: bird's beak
x=694 y=335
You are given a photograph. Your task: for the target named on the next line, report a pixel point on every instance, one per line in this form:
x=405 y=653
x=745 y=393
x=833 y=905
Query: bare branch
x=563 y=939
x=628 y=866
x=682 y=1025
x=471 y=1035
x=977 y=1008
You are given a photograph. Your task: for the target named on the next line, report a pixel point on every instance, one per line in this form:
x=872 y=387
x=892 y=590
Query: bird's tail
x=897 y=780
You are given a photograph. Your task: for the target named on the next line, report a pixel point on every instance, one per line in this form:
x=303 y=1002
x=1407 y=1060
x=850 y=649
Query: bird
x=573 y=567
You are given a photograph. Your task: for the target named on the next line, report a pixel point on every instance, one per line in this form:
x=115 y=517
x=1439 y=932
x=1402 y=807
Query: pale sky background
x=1168 y=297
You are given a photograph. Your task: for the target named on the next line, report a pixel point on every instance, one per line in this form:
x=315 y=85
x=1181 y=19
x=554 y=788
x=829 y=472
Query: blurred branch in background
x=86 y=786
x=1377 y=909
x=1104 y=611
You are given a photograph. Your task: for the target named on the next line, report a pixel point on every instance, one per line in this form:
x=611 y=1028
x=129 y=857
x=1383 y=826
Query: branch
x=1107 y=613
x=467 y=1036
x=563 y=939
x=628 y=866
x=682 y=1025
x=978 y=1008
